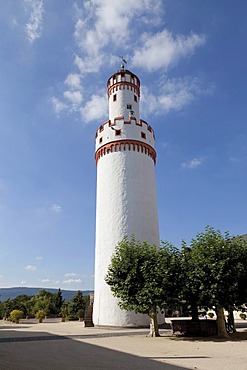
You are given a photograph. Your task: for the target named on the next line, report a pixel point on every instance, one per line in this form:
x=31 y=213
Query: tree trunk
x=232 y=321
x=194 y=311
x=154 y=329
x=222 y=333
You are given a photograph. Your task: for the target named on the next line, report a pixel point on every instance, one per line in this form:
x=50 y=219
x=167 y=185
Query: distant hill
x=11 y=293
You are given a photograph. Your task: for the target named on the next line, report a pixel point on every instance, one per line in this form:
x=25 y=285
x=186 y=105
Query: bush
x=16 y=315
x=40 y=315
x=242 y=316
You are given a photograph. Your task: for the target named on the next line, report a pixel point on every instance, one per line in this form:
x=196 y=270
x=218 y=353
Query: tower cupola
x=124 y=130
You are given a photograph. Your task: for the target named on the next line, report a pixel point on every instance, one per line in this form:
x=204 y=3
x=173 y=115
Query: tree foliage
x=46 y=303
x=77 y=305
x=16 y=315
x=40 y=314
x=214 y=271
x=6 y=307
x=58 y=301
x=211 y=271
x=142 y=277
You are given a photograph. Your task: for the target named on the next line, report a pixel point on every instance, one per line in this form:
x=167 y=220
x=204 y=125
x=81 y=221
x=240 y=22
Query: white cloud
x=22 y=282
x=50 y=281
x=74 y=98
x=56 y=208
x=102 y=22
x=102 y=27
x=193 y=163
x=34 y=26
x=14 y=22
x=96 y=108
x=31 y=268
x=58 y=105
x=163 y=50
x=39 y=258
x=73 y=80
x=88 y=64
x=68 y=274
x=48 y=209
x=173 y=94
x=72 y=281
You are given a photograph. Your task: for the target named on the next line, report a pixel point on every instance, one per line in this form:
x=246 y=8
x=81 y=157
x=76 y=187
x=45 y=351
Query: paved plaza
x=68 y=345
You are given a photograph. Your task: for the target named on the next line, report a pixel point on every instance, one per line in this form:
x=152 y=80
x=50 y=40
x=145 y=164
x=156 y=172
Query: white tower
x=126 y=190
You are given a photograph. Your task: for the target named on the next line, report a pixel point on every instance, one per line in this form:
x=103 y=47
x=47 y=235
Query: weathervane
x=124 y=61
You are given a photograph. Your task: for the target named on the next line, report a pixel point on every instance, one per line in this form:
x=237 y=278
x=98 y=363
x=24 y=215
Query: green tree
x=7 y=307
x=65 y=310
x=43 y=300
x=58 y=301
x=143 y=277
x=190 y=281
x=77 y=303
x=220 y=267
x=21 y=302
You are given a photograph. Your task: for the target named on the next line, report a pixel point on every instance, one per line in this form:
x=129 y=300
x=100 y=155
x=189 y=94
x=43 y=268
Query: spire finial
x=124 y=61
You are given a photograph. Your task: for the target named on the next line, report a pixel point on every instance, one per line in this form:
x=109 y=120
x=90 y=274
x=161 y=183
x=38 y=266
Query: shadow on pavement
x=53 y=352
x=238 y=336
x=12 y=327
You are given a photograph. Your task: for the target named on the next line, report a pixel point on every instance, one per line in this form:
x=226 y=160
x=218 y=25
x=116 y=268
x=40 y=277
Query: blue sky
x=56 y=56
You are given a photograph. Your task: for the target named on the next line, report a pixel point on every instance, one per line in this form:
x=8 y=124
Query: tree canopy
x=142 y=277
x=210 y=271
x=46 y=303
x=216 y=273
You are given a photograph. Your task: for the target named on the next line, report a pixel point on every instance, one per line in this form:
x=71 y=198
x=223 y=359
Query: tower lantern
x=126 y=190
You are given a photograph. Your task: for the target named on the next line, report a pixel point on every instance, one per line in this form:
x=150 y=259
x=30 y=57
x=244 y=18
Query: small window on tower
x=100 y=140
x=143 y=135
x=114 y=97
x=129 y=106
x=117 y=132
x=135 y=98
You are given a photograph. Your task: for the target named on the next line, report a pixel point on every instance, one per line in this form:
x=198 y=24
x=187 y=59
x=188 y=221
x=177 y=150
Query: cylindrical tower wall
x=126 y=204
